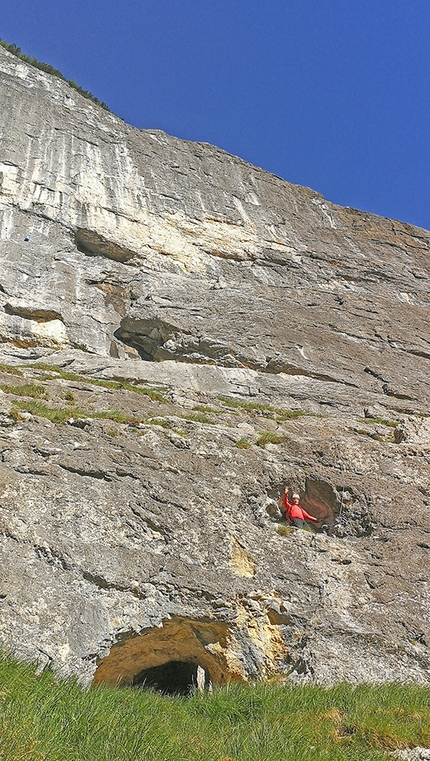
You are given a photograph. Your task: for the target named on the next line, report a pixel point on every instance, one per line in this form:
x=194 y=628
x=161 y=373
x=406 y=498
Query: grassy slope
x=46 y=719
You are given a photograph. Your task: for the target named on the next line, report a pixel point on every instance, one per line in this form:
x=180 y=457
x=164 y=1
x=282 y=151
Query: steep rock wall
x=287 y=342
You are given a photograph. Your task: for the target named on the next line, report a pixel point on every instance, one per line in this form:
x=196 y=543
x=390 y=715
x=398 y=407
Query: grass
x=46 y=719
x=198 y=417
x=55 y=415
x=285 y=530
x=206 y=408
x=374 y=436
x=10 y=369
x=56 y=371
x=61 y=414
x=68 y=397
x=35 y=390
x=280 y=413
x=157 y=421
x=243 y=444
x=268 y=437
x=116 y=415
x=380 y=421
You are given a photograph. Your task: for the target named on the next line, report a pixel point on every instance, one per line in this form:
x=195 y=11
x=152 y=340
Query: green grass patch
x=157 y=421
x=369 y=434
x=61 y=414
x=206 y=408
x=198 y=417
x=380 y=421
x=68 y=397
x=55 y=415
x=35 y=390
x=281 y=414
x=268 y=437
x=56 y=371
x=47 y=719
x=116 y=415
x=243 y=444
x=284 y=530
x=11 y=369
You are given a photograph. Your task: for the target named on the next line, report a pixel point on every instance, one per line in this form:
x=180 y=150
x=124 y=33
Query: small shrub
x=112 y=432
x=81 y=347
x=268 y=437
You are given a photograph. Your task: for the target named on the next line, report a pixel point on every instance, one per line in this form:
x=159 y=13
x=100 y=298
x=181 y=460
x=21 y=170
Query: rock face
x=183 y=335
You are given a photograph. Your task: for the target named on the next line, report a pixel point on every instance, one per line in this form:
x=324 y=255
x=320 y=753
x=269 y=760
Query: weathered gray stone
x=142 y=530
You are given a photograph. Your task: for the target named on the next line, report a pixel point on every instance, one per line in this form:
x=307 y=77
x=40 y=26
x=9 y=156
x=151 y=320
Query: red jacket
x=295 y=511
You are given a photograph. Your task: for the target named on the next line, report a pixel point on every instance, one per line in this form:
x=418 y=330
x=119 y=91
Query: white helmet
x=296 y=496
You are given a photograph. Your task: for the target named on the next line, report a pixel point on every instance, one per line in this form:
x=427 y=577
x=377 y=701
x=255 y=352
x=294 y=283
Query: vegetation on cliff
x=48 y=69
x=45 y=719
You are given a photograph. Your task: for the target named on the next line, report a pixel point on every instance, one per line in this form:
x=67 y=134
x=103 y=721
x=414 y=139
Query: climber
x=294 y=512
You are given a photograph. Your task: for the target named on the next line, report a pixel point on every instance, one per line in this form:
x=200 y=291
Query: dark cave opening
x=173 y=678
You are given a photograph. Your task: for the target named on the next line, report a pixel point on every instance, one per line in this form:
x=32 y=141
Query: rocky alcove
x=91 y=243
x=318 y=498
x=172 y=658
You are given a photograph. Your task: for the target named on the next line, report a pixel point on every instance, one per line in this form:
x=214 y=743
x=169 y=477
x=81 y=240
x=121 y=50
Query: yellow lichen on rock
x=242 y=564
x=264 y=635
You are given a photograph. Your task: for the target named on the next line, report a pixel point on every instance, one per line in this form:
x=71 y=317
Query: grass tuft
x=61 y=414
x=10 y=369
x=68 y=397
x=380 y=421
x=243 y=444
x=268 y=437
x=206 y=408
x=35 y=390
x=278 y=412
x=55 y=415
x=157 y=421
x=198 y=417
x=285 y=530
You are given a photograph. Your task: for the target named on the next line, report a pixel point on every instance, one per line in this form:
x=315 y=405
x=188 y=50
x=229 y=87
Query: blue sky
x=332 y=94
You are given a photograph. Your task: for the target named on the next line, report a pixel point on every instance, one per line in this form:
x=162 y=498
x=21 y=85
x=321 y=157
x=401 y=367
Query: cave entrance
x=173 y=678
x=171 y=657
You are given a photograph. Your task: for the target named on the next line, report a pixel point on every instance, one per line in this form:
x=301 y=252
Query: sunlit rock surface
x=287 y=342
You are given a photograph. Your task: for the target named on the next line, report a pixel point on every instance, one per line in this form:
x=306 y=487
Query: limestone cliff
x=182 y=335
